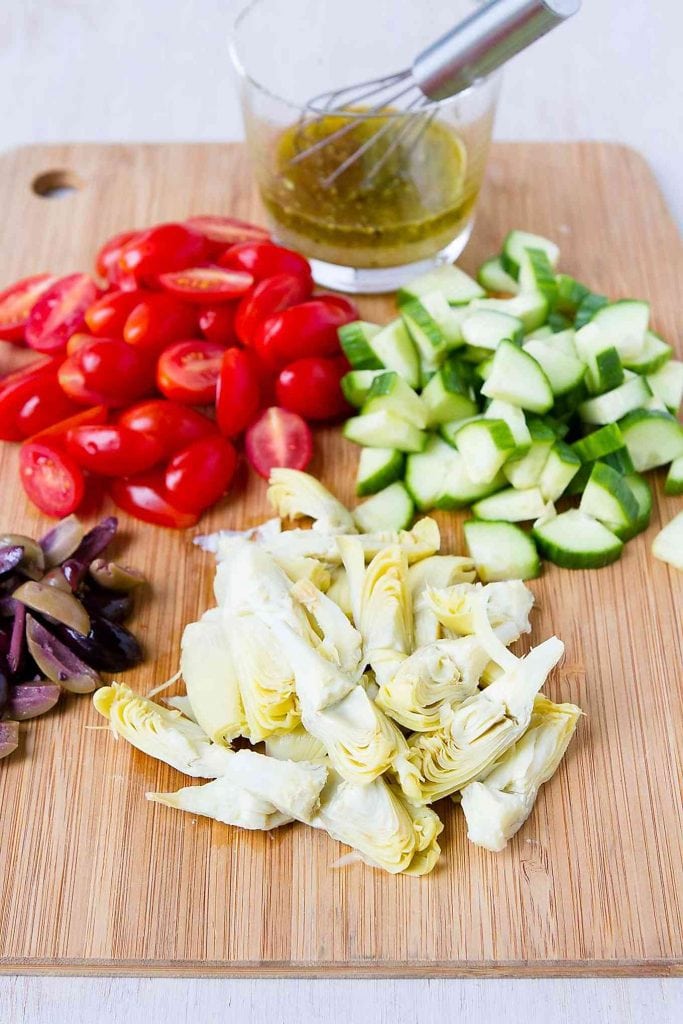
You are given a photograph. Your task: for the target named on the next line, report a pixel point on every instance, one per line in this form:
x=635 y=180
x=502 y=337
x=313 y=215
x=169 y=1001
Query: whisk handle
x=483 y=42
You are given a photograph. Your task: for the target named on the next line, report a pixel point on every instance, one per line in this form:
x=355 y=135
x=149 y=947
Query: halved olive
x=57 y=662
x=56 y=603
x=56 y=578
x=62 y=540
x=33 y=562
x=10 y=557
x=28 y=700
x=113 y=576
x=9 y=737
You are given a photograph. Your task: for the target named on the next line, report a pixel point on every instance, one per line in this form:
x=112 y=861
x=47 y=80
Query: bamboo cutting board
x=95 y=879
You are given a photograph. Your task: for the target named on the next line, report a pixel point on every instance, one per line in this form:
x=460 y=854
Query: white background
x=121 y=70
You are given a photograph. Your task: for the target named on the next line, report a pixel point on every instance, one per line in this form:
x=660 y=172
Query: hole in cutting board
x=56 y=184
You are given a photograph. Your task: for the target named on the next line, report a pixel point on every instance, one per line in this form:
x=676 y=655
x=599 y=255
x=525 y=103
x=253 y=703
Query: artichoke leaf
x=297 y=745
x=294 y=495
x=386 y=613
x=223 y=801
x=181 y=703
x=339 y=591
x=265 y=679
x=299 y=568
x=210 y=680
x=340 y=643
x=507 y=605
x=318 y=681
x=437 y=571
x=219 y=543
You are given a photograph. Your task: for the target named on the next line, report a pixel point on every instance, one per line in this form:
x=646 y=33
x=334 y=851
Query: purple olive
x=10 y=557
x=28 y=700
x=58 y=661
x=17 y=640
x=108 y=646
x=4 y=686
x=9 y=737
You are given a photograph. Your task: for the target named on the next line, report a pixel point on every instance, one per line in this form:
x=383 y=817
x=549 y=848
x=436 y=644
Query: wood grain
x=95 y=879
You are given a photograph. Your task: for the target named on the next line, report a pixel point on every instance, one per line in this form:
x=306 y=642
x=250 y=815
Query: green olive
x=56 y=603
x=33 y=562
x=62 y=540
x=56 y=578
x=114 y=576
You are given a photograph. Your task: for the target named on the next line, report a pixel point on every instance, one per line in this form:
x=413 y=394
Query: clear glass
x=381 y=221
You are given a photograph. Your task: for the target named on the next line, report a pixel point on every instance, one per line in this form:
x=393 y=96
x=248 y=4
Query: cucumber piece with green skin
x=526 y=472
x=641 y=491
x=668 y=544
x=370 y=347
x=485 y=444
x=437 y=478
x=619 y=460
x=390 y=392
x=511 y=505
x=652 y=438
x=543 y=333
x=501 y=551
x=377 y=468
x=515 y=245
x=384 y=429
x=570 y=294
x=559 y=470
x=608 y=498
x=666 y=384
x=434 y=327
x=613 y=405
x=493 y=276
x=655 y=353
x=483 y=370
x=497 y=409
x=600 y=442
x=588 y=307
x=390 y=509
x=531 y=308
x=356 y=385
x=447 y=396
x=455 y=285
x=565 y=373
x=517 y=378
x=604 y=369
x=356 y=340
x=563 y=341
x=674 y=479
x=486 y=328
x=575 y=540
x=624 y=324
x=460 y=490
x=536 y=274
x=558 y=322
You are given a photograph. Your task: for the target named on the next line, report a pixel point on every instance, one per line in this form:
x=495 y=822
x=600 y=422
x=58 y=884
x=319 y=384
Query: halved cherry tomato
x=270 y=296
x=107 y=316
x=47 y=405
x=15 y=391
x=311 y=387
x=51 y=478
x=171 y=425
x=239 y=391
x=57 y=433
x=278 y=438
x=158 y=320
x=107 y=259
x=309 y=329
x=106 y=371
x=217 y=323
x=145 y=497
x=201 y=473
x=264 y=259
x=207 y=284
x=162 y=249
x=77 y=341
x=16 y=303
x=187 y=371
x=59 y=312
x=223 y=231
x=113 y=450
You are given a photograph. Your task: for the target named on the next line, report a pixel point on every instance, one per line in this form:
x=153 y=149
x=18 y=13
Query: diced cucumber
x=623 y=324
x=548 y=513
x=511 y=505
x=605 y=371
x=501 y=551
x=563 y=341
x=543 y=333
x=526 y=472
x=558 y=322
x=652 y=438
x=384 y=430
x=668 y=544
x=655 y=353
x=600 y=442
x=619 y=460
x=588 y=307
x=674 y=479
x=377 y=468
x=497 y=409
x=559 y=428
x=613 y=405
x=433 y=325
x=390 y=509
x=641 y=491
x=570 y=294
x=437 y=477
x=356 y=384
x=390 y=392
x=447 y=396
x=517 y=378
x=483 y=369
x=565 y=373
x=666 y=384
x=448 y=430
x=356 y=340
x=493 y=276
x=575 y=540
x=536 y=274
x=486 y=328
x=459 y=490
x=515 y=245
x=608 y=498
x=484 y=444
x=395 y=350
x=531 y=308
x=655 y=404
x=559 y=470
x=455 y=285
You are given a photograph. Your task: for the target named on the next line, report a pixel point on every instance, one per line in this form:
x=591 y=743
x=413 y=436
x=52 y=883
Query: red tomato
x=17 y=389
x=113 y=450
x=171 y=425
x=16 y=303
x=106 y=371
x=59 y=312
x=311 y=387
x=278 y=438
x=340 y=302
x=158 y=320
x=222 y=231
x=217 y=323
x=207 y=284
x=309 y=329
x=187 y=371
x=51 y=478
x=270 y=296
x=239 y=392
x=264 y=259
x=47 y=405
x=201 y=473
x=56 y=434
x=107 y=259
x=145 y=497
x=106 y=317
x=161 y=249
x=77 y=341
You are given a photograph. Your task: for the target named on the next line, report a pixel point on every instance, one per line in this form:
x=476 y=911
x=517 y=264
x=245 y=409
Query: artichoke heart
x=225 y=802
x=317 y=680
x=340 y=642
x=210 y=678
x=265 y=679
x=423 y=540
x=339 y=592
x=507 y=605
x=474 y=735
x=436 y=571
x=497 y=806
x=386 y=613
x=298 y=568
x=297 y=745
x=294 y=494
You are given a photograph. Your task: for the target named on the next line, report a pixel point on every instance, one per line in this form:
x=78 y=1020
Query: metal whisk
x=474 y=48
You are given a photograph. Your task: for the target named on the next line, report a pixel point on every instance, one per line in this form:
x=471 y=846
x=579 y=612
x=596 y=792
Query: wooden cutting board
x=97 y=880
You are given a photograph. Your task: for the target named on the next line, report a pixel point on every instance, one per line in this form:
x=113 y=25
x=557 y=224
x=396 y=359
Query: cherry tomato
x=162 y=249
x=201 y=473
x=107 y=259
x=17 y=389
x=278 y=438
x=77 y=341
x=107 y=316
x=113 y=450
x=270 y=296
x=57 y=433
x=187 y=371
x=340 y=302
x=309 y=329
x=264 y=259
x=223 y=231
x=158 y=320
x=59 y=312
x=239 y=392
x=207 y=284
x=16 y=303
x=172 y=426
x=46 y=406
x=106 y=371
x=51 y=478
x=145 y=497
x=217 y=323
x=311 y=387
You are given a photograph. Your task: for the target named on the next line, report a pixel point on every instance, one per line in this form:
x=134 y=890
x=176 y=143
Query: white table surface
x=153 y=70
